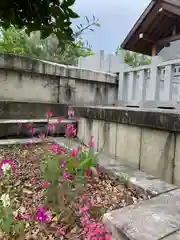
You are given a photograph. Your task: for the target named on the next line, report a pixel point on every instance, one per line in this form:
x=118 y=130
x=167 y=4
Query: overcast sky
x=116 y=18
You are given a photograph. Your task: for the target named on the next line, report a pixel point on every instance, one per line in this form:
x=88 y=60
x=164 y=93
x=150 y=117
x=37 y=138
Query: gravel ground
x=28 y=192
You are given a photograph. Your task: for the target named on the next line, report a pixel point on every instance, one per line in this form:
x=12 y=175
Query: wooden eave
x=155 y=26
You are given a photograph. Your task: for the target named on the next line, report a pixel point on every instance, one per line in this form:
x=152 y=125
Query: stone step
x=154 y=219
x=21 y=127
x=33 y=140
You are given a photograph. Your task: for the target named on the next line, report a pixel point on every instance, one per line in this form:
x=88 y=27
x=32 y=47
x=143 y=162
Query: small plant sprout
x=5 y=199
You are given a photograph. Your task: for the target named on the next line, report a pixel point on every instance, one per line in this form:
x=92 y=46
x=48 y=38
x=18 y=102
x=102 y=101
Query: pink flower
x=28 y=125
x=32 y=131
x=70 y=112
x=49 y=114
x=41 y=216
x=44 y=184
x=91 y=144
x=59 y=120
x=51 y=128
x=66 y=176
x=7 y=162
x=56 y=149
x=62 y=164
x=70 y=130
x=74 y=152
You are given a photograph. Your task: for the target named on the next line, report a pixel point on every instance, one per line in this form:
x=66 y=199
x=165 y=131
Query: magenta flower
x=51 y=128
x=41 y=216
x=66 y=176
x=44 y=184
x=74 y=152
x=59 y=120
x=49 y=114
x=56 y=149
x=33 y=131
x=70 y=130
x=62 y=164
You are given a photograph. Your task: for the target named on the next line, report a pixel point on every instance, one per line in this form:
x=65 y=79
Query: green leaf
x=84 y=165
x=69 y=2
x=72 y=14
x=70 y=166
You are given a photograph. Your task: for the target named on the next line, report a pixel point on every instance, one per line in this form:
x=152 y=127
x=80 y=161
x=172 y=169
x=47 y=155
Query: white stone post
x=130 y=86
x=168 y=83
x=153 y=90
x=141 y=86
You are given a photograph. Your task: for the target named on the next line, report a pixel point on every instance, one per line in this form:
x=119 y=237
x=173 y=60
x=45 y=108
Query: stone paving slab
x=153 y=219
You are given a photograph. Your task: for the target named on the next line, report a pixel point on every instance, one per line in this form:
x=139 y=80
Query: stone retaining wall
x=148 y=140
x=25 y=79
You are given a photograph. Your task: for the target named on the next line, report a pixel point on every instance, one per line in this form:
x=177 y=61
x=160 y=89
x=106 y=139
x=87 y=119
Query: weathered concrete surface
x=154 y=219
x=136 y=179
x=173 y=236
x=176 y=177
x=142 y=139
x=29 y=110
x=128 y=145
x=162 y=119
x=157 y=153
x=20 y=127
x=91 y=129
x=107 y=137
x=25 y=79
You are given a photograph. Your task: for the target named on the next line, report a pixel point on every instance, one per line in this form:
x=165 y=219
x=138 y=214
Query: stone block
x=107 y=137
x=91 y=129
x=153 y=219
x=157 y=153
x=128 y=145
x=81 y=129
x=176 y=177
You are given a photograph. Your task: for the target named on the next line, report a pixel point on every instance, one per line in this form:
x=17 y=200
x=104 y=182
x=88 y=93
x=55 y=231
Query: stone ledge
x=154 y=219
x=136 y=179
x=163 y=119
x=25 y=64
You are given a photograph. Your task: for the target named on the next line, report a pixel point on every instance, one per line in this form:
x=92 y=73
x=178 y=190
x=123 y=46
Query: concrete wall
x=145 y=140
x=24 y=79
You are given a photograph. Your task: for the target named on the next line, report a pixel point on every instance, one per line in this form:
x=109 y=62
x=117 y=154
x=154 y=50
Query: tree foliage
x=47 y=16
x=18 y=41
x=133 y=59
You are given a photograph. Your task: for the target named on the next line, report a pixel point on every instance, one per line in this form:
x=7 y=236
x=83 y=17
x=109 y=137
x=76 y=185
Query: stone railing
x=158 y=83
x=25 y=79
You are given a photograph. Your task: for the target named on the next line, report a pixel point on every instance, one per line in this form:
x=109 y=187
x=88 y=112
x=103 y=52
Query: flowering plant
x=7 y=223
